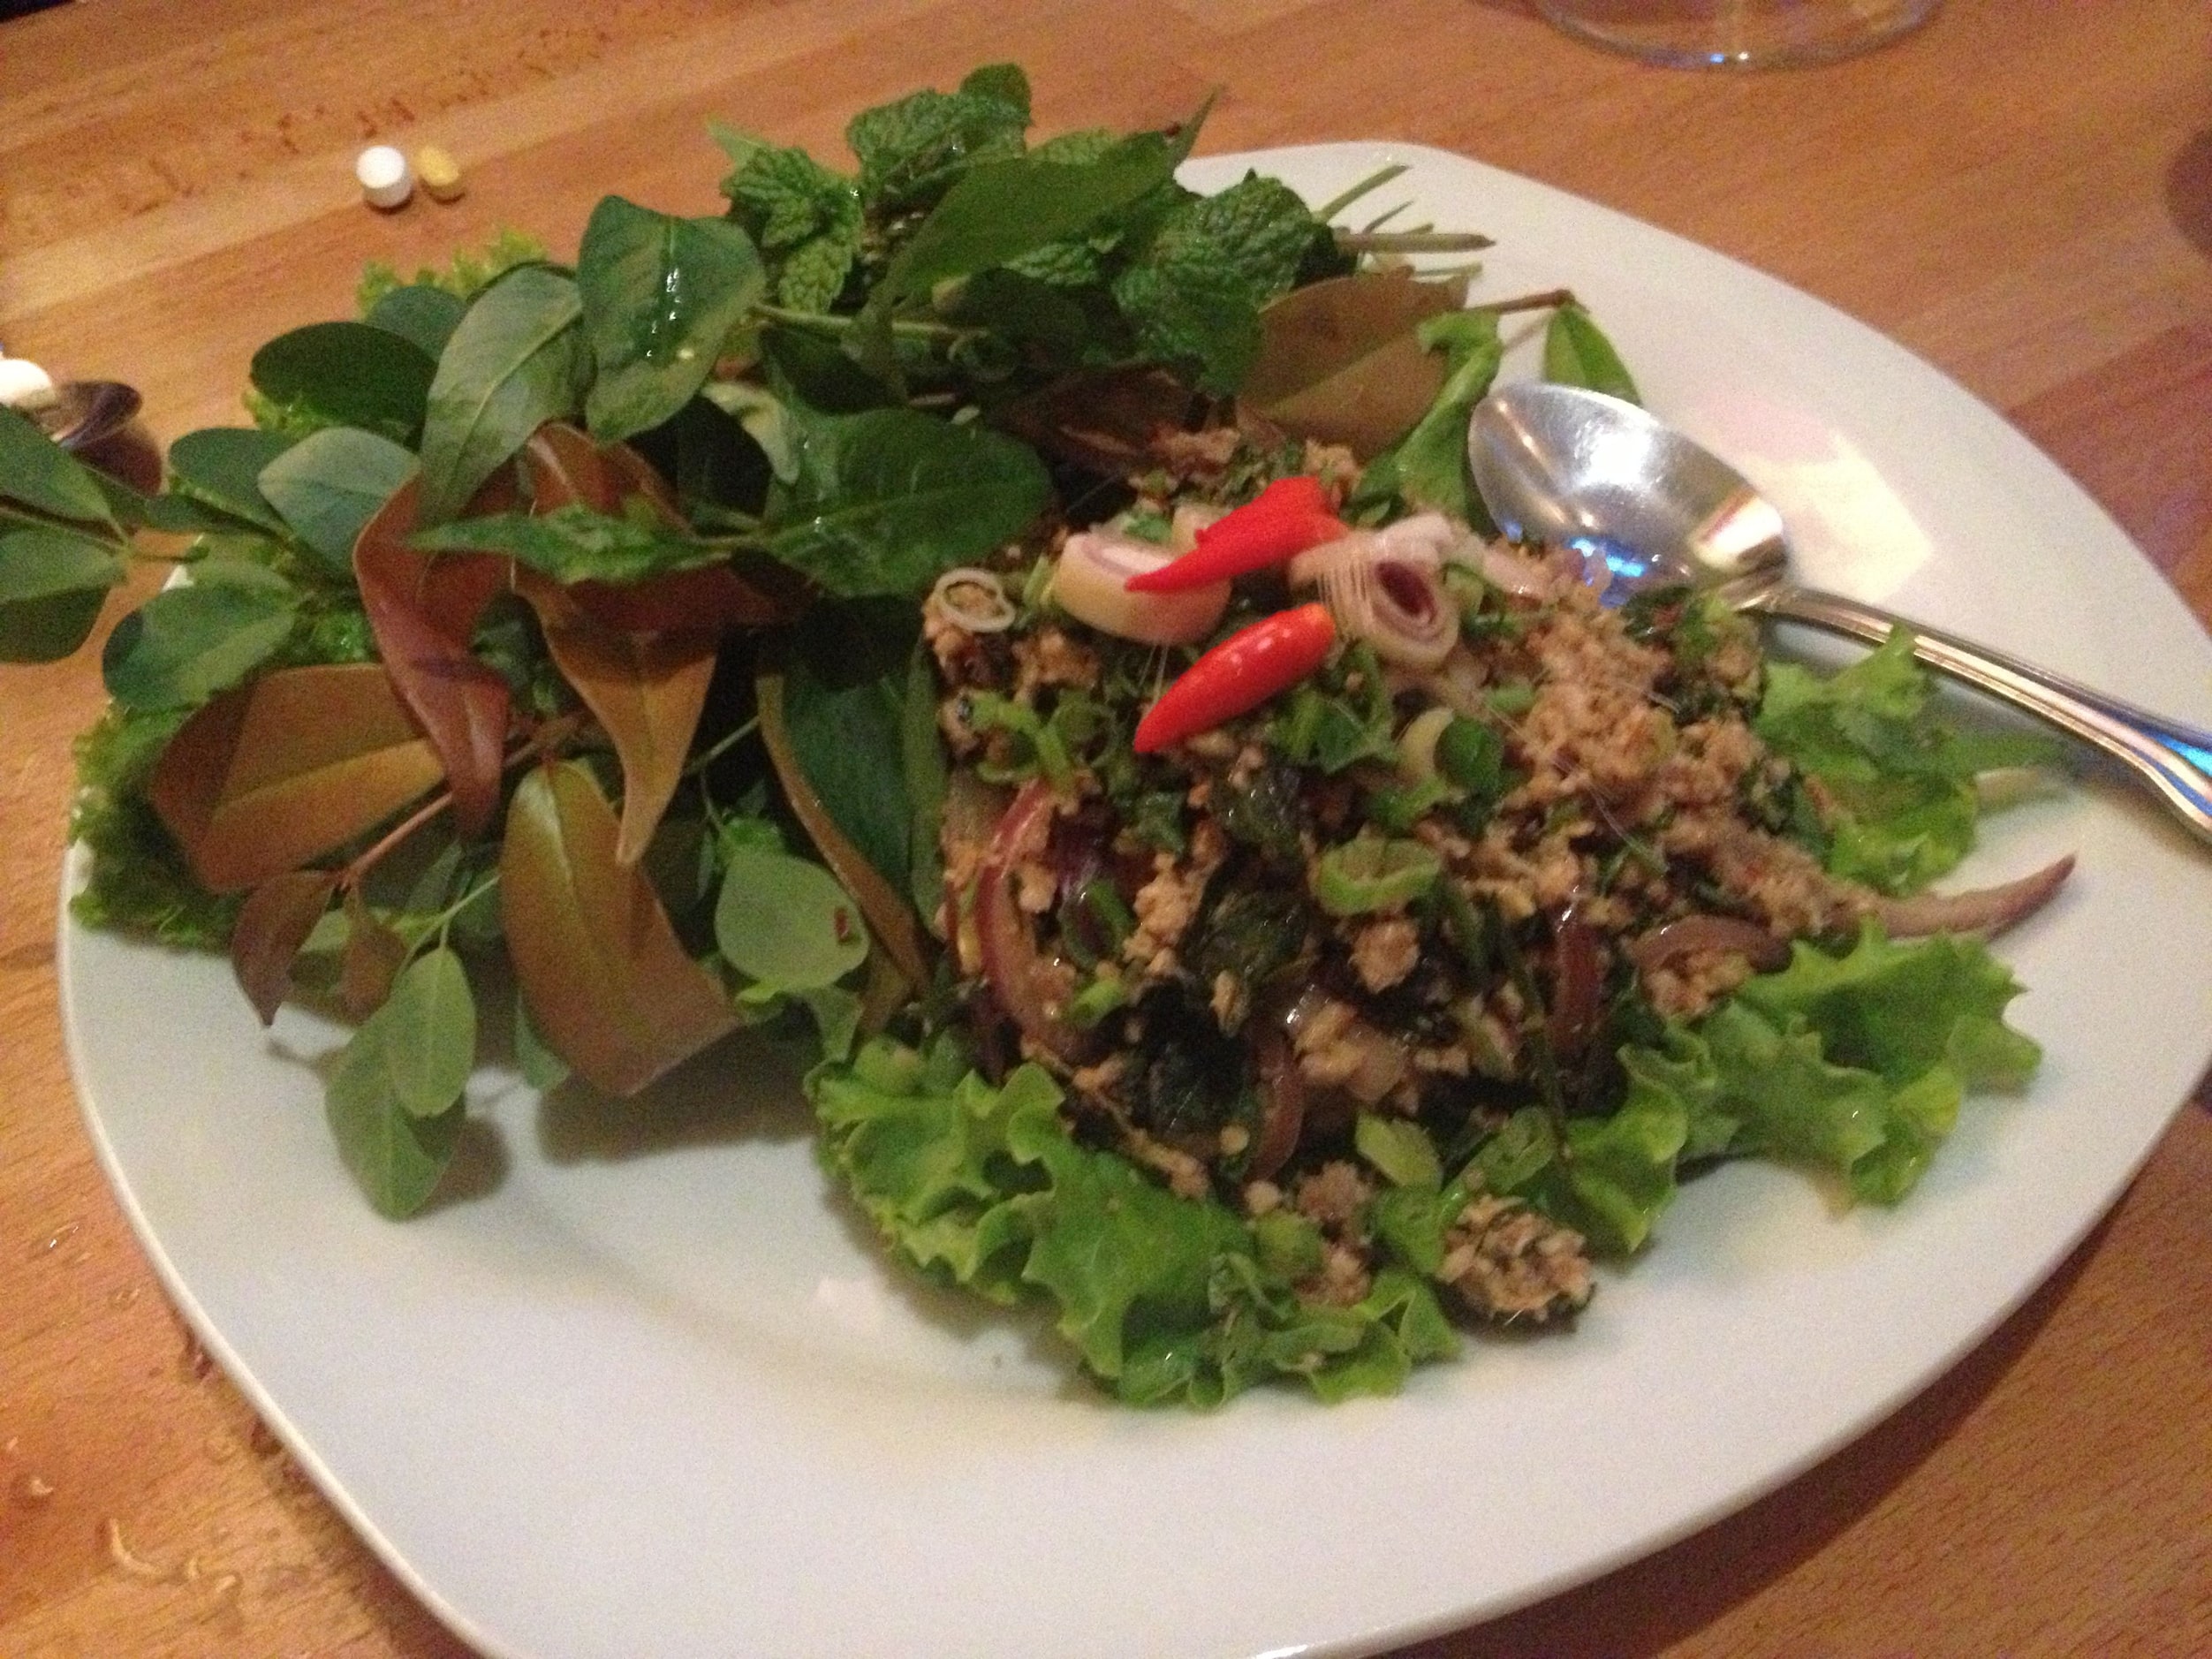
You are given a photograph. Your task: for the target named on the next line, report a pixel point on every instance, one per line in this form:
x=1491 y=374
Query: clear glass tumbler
x=1738 y=33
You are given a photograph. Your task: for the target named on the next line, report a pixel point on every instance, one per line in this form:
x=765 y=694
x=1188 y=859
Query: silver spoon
x=1562 y=465
x=78 y=414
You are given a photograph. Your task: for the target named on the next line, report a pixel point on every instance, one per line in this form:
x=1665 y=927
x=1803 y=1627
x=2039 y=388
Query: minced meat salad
x=1390 y=892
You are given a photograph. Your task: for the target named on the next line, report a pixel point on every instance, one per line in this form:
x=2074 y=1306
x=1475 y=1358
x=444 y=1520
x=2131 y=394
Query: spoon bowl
x=1571 y=466
x=79 y=414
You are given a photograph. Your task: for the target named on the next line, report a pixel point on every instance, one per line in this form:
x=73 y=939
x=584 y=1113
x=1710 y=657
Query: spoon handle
x=2175 y=759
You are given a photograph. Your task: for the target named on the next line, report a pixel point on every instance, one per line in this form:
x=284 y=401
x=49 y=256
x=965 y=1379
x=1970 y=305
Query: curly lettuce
x=1163 y=1298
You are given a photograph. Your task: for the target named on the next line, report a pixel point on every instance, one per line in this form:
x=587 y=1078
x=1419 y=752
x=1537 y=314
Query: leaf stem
x=1375 y=180
x=1550 y=299
x=1412 y=241
x=831 y=322
x=722 y=745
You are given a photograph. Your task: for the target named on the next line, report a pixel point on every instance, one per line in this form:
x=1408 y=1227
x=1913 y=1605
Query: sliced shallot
x=1985 y=911
x=1687 y=934
x=1091 y=583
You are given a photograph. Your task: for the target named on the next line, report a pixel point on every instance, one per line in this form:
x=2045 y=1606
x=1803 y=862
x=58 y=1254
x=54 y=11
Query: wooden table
x=2022 y=192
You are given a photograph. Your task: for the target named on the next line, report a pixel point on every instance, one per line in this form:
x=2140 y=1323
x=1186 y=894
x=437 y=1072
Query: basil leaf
x=660 y=296
x=844 y=708
x=349 y=373
x=574 y=543
x=39 y=473
x=516 y=361
x=221 y=467
x=886 y=501
x=186 y=644
x=330 y=483
x=52 y=585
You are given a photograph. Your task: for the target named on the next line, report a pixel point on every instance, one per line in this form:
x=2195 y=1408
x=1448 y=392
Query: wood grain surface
x=2021 y=192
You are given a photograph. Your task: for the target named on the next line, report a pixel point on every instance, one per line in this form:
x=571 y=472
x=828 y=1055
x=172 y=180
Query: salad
x=1025 y=632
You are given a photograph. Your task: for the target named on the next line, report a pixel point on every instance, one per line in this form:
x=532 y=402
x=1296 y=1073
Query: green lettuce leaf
x=1163 y=1298
x=1902 y=780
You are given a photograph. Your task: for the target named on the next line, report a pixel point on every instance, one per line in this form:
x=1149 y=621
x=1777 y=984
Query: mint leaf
x=911 y=149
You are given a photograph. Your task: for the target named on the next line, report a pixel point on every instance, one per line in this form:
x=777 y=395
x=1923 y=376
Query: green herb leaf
x=1429 y=466
x=330 y=483
x=1002 y=210
x=911 y=149
x=349 y=374
x=660 y=296
x=397 y=1156
x=419 y=312
x=783 y=921
x=574 y=543
x=186 y=643
x=52 y=585
x=222 y=467
x=517 y=360
x=806 y=220
x=428 y=1033
x=1576 y=353
x=846 y=678
x=887 y=501
x=39 y=473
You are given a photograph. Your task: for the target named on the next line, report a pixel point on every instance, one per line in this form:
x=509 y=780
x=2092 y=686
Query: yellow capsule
x=440 y=174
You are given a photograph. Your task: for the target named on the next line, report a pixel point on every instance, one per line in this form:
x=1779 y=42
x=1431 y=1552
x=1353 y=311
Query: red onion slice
x=1985 y=911
x=1687 y=934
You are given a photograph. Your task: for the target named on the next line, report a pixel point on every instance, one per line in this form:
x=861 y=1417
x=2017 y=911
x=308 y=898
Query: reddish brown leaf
x=601 y=972
x=295 y=764
x=645 y=690
x=274 y=921
x=713 y=598
x=1107 y=419
x=374 y=953
x=1339 y=361
x=563 y=466
x=423 y=608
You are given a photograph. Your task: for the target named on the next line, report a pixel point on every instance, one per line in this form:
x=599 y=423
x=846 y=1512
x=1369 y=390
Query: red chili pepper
x=1239 y=674
x=1289 y=516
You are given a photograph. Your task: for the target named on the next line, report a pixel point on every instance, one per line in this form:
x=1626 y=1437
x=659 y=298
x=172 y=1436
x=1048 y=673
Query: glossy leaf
x=397 y=1156
x=327 y=487
x=423 y=610
x=350 y=375
x=999 y=210
x=52 y=585
x=272 y=926
x=420 y=312
x=372 y=957
x=288 y=768
x=660 y=295
x=886 y=501
x=606 y=982
x=563 y=464
x=645 y=690
x=1576 y=353
x=188 y=642
x=785 y=923
x=430 y=1023
x=39 y=473
x=222 y=467
x=575 y=543
x=1340 y=362
x=889 y=916
x=517 y=360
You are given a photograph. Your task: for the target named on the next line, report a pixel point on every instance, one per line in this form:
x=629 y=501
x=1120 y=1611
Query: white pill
x=23 y=383
x=386 y=181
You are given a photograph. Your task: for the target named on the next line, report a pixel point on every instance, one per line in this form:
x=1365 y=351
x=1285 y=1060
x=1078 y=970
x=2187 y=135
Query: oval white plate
x=645 y=1388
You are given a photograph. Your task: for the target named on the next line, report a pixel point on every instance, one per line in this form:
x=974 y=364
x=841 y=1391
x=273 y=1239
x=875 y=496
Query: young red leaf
x=423 y=610
x=606 y=982
x=373 y=956
x=290 y=766
x=645 y=690
x=272 y=925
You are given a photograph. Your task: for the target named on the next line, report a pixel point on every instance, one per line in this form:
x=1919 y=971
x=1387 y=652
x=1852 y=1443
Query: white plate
x=648 y=1390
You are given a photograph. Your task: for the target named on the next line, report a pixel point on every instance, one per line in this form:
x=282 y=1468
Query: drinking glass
x=1737 y=34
